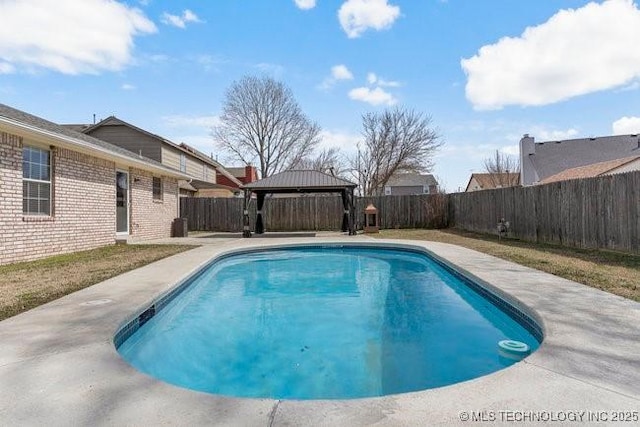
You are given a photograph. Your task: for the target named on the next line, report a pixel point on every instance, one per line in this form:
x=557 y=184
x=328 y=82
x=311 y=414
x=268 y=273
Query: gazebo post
x=345 y=206
x=352 y=211
x=246 y=226
x=259 y=219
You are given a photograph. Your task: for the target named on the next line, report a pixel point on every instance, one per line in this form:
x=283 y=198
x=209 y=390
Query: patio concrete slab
x=58 y=364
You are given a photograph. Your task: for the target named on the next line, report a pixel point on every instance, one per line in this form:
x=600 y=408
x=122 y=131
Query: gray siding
x=407 y=190
x=129 y=139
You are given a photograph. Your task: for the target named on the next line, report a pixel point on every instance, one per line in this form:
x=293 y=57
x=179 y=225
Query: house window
x=36 y=181
x=387 y=190
x=205 y=173
x=183 y=162
x=157 y=188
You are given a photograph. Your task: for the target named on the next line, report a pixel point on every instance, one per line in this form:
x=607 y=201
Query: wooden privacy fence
x=314 y=212
x=601 y=212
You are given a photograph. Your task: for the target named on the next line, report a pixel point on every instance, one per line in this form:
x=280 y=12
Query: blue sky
x=485 y=71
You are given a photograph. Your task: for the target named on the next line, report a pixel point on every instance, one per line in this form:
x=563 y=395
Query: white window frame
x=183 y=162
x=38 y=181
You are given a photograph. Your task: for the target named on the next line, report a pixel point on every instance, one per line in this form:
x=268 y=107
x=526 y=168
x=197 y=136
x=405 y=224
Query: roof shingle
x=47 y=126
x=300 y=180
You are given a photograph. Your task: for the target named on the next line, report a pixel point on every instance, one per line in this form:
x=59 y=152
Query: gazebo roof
x=300 y=181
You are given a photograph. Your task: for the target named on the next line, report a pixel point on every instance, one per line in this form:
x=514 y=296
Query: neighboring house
x=62 y=191
x=246 y=175
x=489 y=181
x=539 y=161
x=610 y=167
x=201 y=168
x=411 y=183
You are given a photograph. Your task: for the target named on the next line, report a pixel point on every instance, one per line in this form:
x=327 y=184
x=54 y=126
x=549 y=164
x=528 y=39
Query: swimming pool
x=324 y=323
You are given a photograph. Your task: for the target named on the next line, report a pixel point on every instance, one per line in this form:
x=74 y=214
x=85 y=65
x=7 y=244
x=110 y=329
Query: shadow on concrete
x=256 y=236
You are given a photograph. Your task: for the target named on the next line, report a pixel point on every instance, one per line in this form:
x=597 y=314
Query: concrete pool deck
x=58 y=364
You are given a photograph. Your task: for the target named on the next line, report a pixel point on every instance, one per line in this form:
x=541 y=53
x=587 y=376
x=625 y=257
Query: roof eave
x=63 y=141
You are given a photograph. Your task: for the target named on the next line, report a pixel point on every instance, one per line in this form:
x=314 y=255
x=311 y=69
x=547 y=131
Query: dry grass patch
x=27 y=285
x=615 y=272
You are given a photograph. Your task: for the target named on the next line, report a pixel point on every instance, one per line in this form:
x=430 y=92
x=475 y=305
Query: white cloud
x=376 y=96
x=69 y=36
x=127 y=86
x=188 y=121
x=347 y=142
x=6 y=68
x=269 y=68
x=180 y=21
x=341 y=72
x=338 y=72
x=159 y=57
x=373 y=79
x=511 y=150
x=542 y=134
x=630 y=87
x=357 y=16
x=209 y=62
x=305 y=4
x=626 y=125
x=577 y=51
x=194 y=130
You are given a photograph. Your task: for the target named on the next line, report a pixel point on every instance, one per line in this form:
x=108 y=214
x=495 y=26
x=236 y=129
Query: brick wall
x=83 y=205
x=151 y=219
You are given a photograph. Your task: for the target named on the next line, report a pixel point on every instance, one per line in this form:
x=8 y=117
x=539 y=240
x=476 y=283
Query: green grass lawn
x=615 y=272
x=27 y=285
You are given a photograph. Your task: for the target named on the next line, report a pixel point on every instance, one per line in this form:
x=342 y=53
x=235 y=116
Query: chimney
x=528 y=173
x=248 y=174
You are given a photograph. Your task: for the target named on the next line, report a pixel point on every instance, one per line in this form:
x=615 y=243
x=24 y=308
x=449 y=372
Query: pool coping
x=62 y=367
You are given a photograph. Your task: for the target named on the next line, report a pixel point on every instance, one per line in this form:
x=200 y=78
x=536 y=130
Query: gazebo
x=299 y=181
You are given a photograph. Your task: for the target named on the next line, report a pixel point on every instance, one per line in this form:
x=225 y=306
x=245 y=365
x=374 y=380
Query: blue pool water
x=323 y=323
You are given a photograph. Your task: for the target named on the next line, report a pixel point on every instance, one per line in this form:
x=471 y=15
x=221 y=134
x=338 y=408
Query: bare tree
x=261 y=123
x=396 y=140
x=503 y=170
x=327 y=160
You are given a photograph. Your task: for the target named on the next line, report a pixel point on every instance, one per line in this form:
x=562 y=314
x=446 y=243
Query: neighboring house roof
x=113 y=120
x=590 y=171
x=552 y=157
x=204 y=185
x=411 y=180
x=43 y=130
x=304 y=180
x=200 y=155
x=237 y=171
x=76 y=127
x=488 y=181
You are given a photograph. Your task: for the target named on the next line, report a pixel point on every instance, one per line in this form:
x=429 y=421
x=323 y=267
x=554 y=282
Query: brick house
x=203 y=171
x=245 y=175
x=62 y=191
